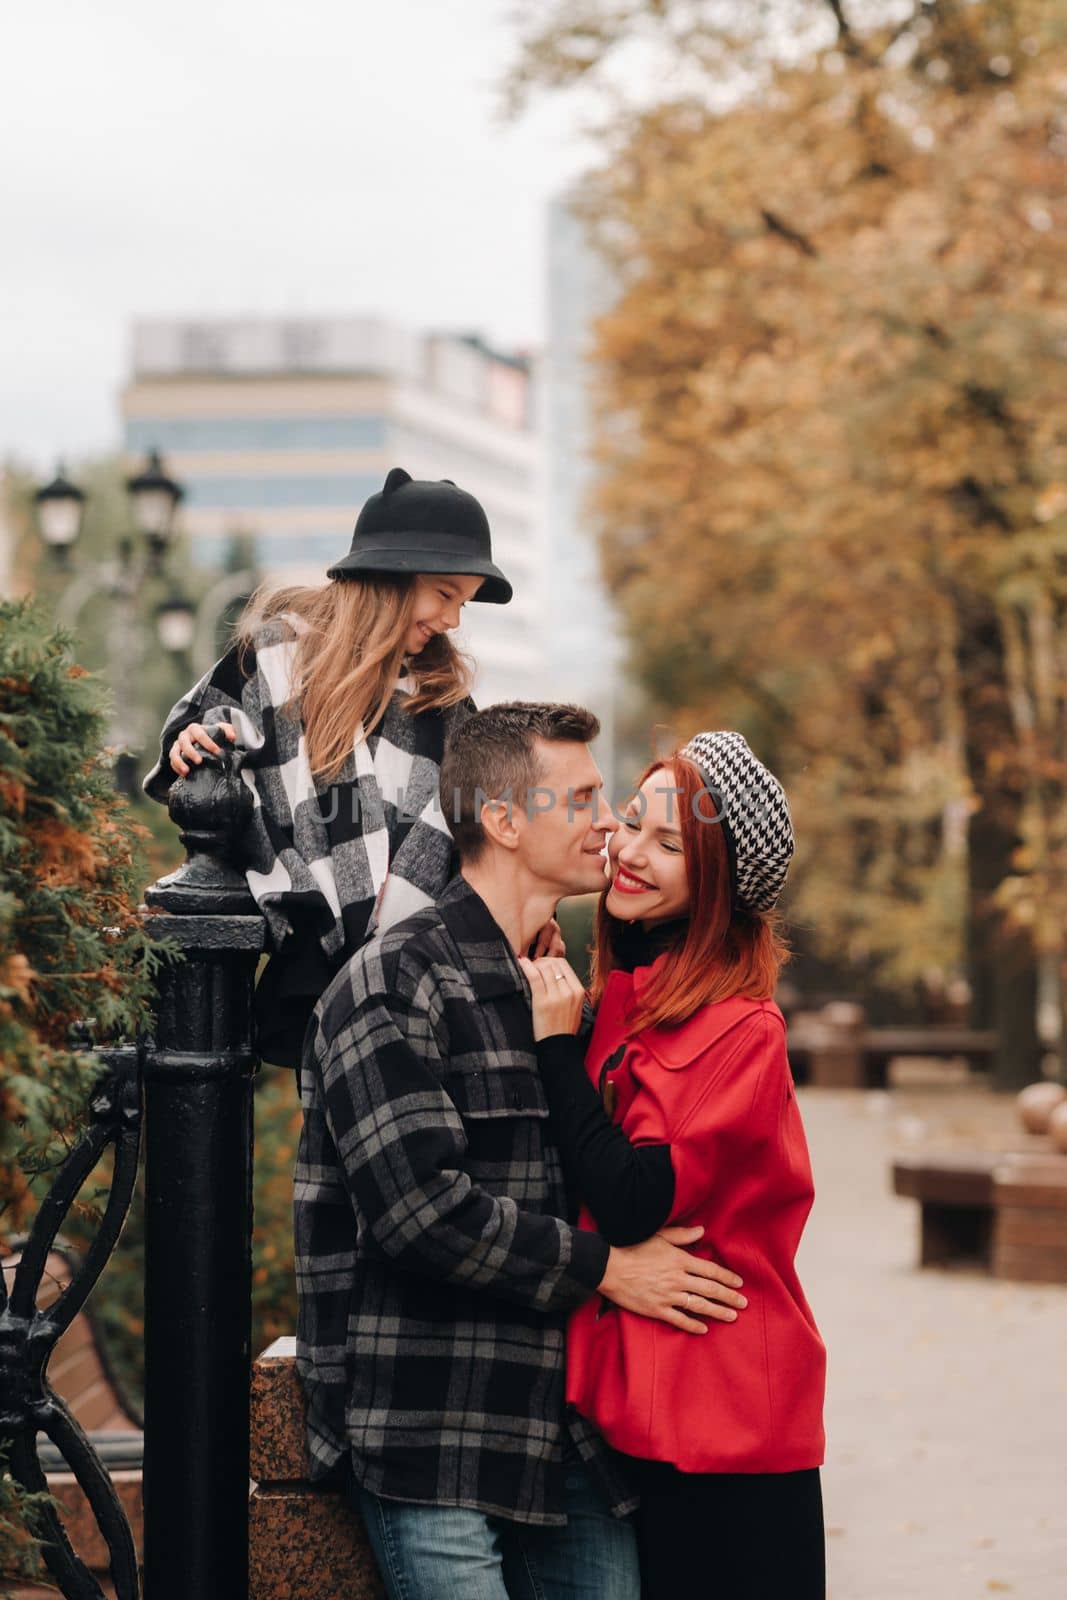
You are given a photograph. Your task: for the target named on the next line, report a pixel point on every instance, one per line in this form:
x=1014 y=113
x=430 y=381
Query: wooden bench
x=835 y=1049
x=1005 y=1211
x=80 y=1374
x=946 y=1041
x=955 y=1195
x=1030 y=1220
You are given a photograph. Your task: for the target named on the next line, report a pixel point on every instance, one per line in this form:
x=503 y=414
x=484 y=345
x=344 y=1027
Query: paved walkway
x=946 y=1475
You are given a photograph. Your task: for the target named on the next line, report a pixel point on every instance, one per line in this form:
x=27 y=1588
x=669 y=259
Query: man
x=434 y=1265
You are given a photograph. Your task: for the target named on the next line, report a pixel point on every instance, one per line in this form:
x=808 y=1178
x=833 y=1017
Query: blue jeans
x=447 y=1553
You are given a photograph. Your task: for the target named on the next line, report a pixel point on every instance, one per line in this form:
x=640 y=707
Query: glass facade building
x=585 y=648
x=279 y=430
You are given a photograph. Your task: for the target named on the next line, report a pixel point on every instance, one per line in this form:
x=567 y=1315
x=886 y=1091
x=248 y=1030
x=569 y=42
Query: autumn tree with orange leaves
x=832 y=498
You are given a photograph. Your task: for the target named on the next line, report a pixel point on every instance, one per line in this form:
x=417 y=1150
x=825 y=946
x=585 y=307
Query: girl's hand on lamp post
x=190 y=743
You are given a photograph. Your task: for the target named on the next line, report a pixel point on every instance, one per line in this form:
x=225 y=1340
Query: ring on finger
x=685 y=1302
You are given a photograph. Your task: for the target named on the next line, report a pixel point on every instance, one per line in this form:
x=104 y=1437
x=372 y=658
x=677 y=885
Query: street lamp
x=182 y=627
x=59 y=513
x=155 y=498
x=176 y=623
x=124 y=579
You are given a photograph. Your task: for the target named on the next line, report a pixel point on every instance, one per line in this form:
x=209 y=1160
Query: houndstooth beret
x=754 y=812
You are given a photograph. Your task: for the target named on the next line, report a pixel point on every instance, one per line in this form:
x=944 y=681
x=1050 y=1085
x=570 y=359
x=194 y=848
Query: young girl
x=683 y=1112
x=343 y=697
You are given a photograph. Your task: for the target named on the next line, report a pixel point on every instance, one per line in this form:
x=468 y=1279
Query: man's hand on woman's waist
x=658 y=1279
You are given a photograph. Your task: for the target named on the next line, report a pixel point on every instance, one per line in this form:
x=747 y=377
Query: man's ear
x=501 y=819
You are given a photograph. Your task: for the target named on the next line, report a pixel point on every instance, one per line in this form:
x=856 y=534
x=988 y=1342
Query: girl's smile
x=439 y=600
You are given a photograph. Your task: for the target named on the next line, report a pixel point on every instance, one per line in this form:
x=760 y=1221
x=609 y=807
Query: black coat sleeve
x=628 y=1188
x=288 y=989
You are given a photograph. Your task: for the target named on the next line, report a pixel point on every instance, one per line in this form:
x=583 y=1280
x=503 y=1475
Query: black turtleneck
x=628 y=1188
x=632 y=947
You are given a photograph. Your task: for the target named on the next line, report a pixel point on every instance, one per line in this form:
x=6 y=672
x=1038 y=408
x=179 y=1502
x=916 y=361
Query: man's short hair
x=492 y=757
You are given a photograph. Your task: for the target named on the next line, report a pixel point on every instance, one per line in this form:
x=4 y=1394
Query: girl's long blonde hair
x=349 y=652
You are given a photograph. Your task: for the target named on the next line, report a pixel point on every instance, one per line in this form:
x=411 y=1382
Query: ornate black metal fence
x=29 y=1336
x=193 y=1077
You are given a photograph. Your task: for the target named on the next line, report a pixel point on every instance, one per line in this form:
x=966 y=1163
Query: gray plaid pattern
x=434 y=1270
x=754 y=811
x=337 y=860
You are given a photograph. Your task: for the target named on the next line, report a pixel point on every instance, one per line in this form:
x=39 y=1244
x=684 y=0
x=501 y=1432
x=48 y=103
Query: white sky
x=251 y=156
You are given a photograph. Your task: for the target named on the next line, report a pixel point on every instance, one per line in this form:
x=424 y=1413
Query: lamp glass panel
x=153 y=510
x=60 y=520
x=175 y=626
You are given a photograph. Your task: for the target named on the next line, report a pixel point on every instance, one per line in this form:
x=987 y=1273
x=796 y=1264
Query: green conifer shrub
x=72 y=947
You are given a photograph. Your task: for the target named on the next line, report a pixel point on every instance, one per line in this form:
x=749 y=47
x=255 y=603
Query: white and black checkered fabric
x=340 y=859
x=755 y=812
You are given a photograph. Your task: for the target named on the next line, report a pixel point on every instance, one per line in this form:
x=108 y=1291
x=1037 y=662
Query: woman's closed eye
x=633 y=824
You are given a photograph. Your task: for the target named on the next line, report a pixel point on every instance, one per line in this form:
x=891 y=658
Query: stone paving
x=946 y=1474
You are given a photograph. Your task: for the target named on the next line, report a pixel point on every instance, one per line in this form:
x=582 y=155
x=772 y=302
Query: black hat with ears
x=414 y=525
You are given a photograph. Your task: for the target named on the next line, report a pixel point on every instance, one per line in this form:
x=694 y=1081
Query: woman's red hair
x=722 y=950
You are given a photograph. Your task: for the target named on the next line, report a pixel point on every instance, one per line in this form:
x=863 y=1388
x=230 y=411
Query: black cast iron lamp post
x=176 y=623
x=155 y=498
x=60 y=505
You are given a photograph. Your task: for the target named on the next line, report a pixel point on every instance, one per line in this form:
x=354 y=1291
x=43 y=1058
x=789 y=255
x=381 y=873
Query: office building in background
x=584 y=643
x=278 y=429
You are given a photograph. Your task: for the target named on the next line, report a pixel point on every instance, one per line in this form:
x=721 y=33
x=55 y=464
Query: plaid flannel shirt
x=434 y=1270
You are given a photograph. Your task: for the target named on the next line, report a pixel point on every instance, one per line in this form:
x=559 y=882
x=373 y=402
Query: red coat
x=747 y=1396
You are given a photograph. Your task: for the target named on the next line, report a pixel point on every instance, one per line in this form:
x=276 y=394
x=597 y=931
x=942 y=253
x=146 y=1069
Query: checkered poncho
x=345 y=858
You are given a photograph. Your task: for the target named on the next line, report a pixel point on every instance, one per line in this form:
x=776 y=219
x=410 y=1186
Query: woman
x=683 y=1112
x=343 y=697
